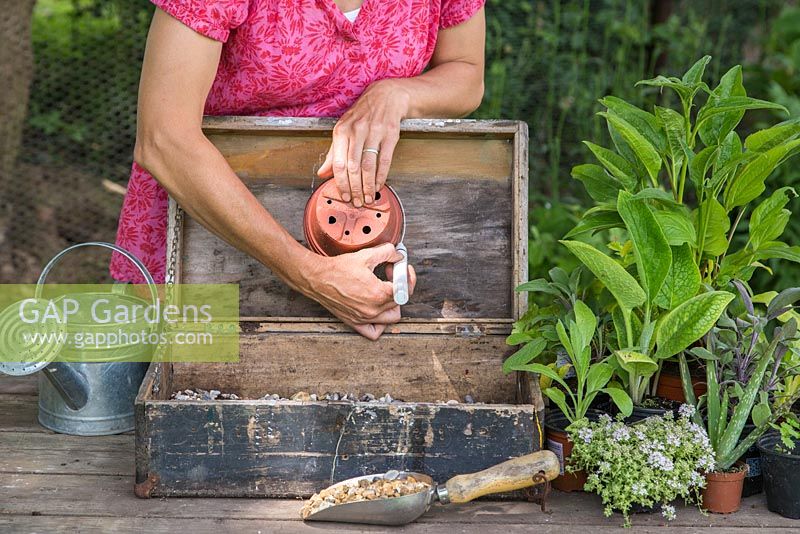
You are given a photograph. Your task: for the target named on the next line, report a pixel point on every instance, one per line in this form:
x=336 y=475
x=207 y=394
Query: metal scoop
x=511 y=475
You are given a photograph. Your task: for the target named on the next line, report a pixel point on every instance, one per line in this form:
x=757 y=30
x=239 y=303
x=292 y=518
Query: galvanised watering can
x=94 y=395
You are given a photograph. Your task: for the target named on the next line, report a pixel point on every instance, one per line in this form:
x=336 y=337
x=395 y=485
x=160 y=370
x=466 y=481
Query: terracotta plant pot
x=333 y=226
x=670 y=386
x=723 y=491
x=561 y=445
x=558 y=441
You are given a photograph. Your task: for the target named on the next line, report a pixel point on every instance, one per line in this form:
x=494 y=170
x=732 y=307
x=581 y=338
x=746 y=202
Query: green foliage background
x=547 y=64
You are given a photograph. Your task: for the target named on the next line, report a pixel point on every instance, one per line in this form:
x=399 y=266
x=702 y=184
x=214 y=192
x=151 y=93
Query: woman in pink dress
x=362 y=61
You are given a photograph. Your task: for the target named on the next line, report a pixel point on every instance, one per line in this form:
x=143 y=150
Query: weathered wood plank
x=311 y=126
x=414 y=367
x=285 y=448
x=63 y=462
x=76 y=498
x=19 y=414
x=136 y=525
x=19 y=385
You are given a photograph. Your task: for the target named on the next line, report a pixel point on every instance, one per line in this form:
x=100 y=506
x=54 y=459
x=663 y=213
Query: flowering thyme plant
x=652 y=462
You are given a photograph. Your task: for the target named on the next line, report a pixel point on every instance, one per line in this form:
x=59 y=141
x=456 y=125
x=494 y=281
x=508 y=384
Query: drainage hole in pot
x=331 y=220
x=366 y=229
x=347 y=232
x=378 y=195
x=378 y=215
x=330 y=201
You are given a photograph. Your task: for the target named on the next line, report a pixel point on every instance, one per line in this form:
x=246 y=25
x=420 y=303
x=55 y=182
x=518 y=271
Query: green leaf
x=715 y=239
x=689 y=322
x=645 y=123
x=598 y=376
x=684 y=90
x=749 y=183
x=761 y=414
x=540 y=369
x=785 y=298
x=517 y=338
x=777 y=250
x=596 y=222
x=715 y=107
x=525 y=355
x=715 y=129
x=677 y=226
x=658 y=195
x=763 y=140
x=694 y=75
x=615 y=164
x=540 y=285
x=621 y=399
x=726 y=452
x=653 y=255
x=699 y=165
x=674 y=128
x=565 y=341
x=642 y=148
x=557 y=396
x=601 y=186
x=635 y=363
x=585 y=322
x=769 y=219
x=683 y=279
x=616 y=279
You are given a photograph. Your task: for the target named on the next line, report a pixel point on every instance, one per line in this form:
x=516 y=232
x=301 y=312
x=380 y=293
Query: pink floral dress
x=299 y=58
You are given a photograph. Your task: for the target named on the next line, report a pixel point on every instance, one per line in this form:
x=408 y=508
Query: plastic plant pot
x=558 y=441
x=723 y=491
x=333 y=226
x=780 y=469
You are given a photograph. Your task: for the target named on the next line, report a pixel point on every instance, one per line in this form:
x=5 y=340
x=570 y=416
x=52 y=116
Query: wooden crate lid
x=464 y=187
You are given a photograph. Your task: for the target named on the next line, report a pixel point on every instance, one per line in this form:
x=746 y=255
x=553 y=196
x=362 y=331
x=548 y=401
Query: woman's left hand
x=364 y=140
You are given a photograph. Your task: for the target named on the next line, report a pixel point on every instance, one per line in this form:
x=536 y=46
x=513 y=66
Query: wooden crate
x=464 y=187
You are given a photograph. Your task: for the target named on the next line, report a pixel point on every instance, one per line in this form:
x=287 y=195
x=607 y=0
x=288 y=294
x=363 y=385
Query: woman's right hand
x=347 y=286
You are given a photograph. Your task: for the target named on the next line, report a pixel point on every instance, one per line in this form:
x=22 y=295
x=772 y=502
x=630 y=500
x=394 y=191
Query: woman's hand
x=348 y=288
x=364 y=140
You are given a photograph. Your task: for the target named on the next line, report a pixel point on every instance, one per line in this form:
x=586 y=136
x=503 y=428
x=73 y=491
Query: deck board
x=55 y=483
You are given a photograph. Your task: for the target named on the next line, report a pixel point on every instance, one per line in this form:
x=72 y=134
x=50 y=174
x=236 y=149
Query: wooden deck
x=55 y=483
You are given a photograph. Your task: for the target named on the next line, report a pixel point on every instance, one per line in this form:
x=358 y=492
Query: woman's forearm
x=453 y=89
x=194 y=172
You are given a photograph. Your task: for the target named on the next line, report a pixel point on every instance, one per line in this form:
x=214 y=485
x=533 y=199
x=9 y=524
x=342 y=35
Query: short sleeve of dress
x=212 y=18
x=454 y=12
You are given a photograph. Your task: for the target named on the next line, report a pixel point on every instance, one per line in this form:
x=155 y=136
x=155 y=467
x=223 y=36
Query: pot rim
x=773 y=437
x=723 y=476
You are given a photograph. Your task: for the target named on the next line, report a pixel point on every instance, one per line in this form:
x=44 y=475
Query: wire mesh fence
x=75 y=67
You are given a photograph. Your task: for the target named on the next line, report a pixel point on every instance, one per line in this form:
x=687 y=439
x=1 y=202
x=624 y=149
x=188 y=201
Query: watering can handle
x=133 y=259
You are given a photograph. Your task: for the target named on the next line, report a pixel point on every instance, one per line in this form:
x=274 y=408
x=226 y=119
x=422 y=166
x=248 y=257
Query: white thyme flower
x=668 y=511
x=686 y=411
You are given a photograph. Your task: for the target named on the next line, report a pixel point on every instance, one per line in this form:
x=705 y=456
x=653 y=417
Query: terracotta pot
x=561 y=445
x=670 y=386
x=723 y=491
x=333 y=226
x=558 y=441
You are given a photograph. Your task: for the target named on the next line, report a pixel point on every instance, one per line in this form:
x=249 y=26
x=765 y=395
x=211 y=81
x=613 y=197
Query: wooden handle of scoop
x=511 y=475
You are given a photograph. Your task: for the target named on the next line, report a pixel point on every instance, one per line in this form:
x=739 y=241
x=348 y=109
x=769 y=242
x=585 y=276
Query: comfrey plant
x=591 y=379
x=647 y=464
x=680 y=182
